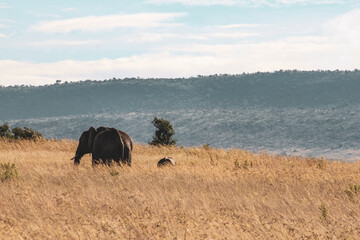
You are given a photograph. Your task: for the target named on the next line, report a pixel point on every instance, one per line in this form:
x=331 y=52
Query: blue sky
x=42 y=41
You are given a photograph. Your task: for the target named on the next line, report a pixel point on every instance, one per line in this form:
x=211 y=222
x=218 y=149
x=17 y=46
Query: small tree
x=163 y=134
x=5 y=131
x=19 y=133
x=26 y=133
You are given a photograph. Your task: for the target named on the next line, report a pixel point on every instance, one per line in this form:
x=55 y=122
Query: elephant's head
x=85 y=144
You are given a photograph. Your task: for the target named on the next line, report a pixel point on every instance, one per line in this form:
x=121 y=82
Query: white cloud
x=54 y=16
x=344 y=31
x=64 y=43
x=252 y=3
x=70 y=9
x=43 y=15
x=217 y=50
x=148 y=37
x=288 y=2
x=240 y=25
x=337 y=47
x=286 y=49
x=233 y=35
x=4 y=23
x=157 y=37
x=208 y=33
x=218 y=35
x=6 y=20
x=3 y=35
x=196 y=2
x=4 y=5
x=156 y=65
x=303 y=53
x=106 y=23
x=345 y=27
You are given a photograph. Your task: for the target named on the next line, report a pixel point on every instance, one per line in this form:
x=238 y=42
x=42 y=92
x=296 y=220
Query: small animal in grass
x=166 y=161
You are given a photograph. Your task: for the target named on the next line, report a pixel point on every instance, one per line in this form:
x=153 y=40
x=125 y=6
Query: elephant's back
x=126 y=137
x=107 y=139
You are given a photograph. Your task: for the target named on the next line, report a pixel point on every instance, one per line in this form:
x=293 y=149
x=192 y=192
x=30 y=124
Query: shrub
x=19 y=133
x=206 y=146
x=8 y=171
x=5 y=131
x=163 y=134
x=114 y=172
x=324 y=213
x=246 y=165
x=26 y=133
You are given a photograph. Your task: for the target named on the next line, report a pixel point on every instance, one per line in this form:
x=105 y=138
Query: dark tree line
x=282 y=88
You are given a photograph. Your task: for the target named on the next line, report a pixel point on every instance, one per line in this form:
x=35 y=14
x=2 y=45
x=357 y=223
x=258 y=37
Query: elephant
x=105 y=144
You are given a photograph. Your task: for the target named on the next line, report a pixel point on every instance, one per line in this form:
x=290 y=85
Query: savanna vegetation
x=209 y=194
x=164 y=132
x=19 y=133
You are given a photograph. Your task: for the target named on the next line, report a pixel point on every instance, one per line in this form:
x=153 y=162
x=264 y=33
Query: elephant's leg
x=109 y=162
x=120 y=151
x=128 y=154
x=118 y=161
x=96 y=155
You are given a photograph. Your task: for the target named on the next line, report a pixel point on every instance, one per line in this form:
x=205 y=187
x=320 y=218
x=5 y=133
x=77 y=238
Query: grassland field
x=209 y=194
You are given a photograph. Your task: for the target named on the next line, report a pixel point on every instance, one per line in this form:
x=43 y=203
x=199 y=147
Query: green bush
x=164 y=133
x=19 y=133
x=26 y=133
x=5 y=131
x=8 y=171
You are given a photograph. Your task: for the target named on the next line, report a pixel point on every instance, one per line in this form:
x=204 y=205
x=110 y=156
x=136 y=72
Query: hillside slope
x=282 y=89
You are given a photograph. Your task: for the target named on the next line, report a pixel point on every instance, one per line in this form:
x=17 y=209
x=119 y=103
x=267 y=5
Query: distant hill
x=282 y=88
x=306 y=113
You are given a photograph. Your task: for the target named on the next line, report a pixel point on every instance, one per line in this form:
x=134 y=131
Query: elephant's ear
x=92 y=133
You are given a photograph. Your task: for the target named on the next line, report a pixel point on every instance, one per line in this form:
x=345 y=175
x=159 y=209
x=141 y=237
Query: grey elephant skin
x=166 y=161
x=106 y=145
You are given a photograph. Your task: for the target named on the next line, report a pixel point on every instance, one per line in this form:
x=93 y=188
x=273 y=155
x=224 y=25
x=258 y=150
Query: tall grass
x=209 y=194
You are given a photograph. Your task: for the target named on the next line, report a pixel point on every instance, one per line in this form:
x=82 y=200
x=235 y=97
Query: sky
x=44 y=41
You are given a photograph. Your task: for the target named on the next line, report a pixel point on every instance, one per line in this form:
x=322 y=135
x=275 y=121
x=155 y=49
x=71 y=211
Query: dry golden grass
x=210 y=194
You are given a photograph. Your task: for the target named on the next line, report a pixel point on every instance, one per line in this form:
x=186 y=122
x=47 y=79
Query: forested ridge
x=279 y=89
